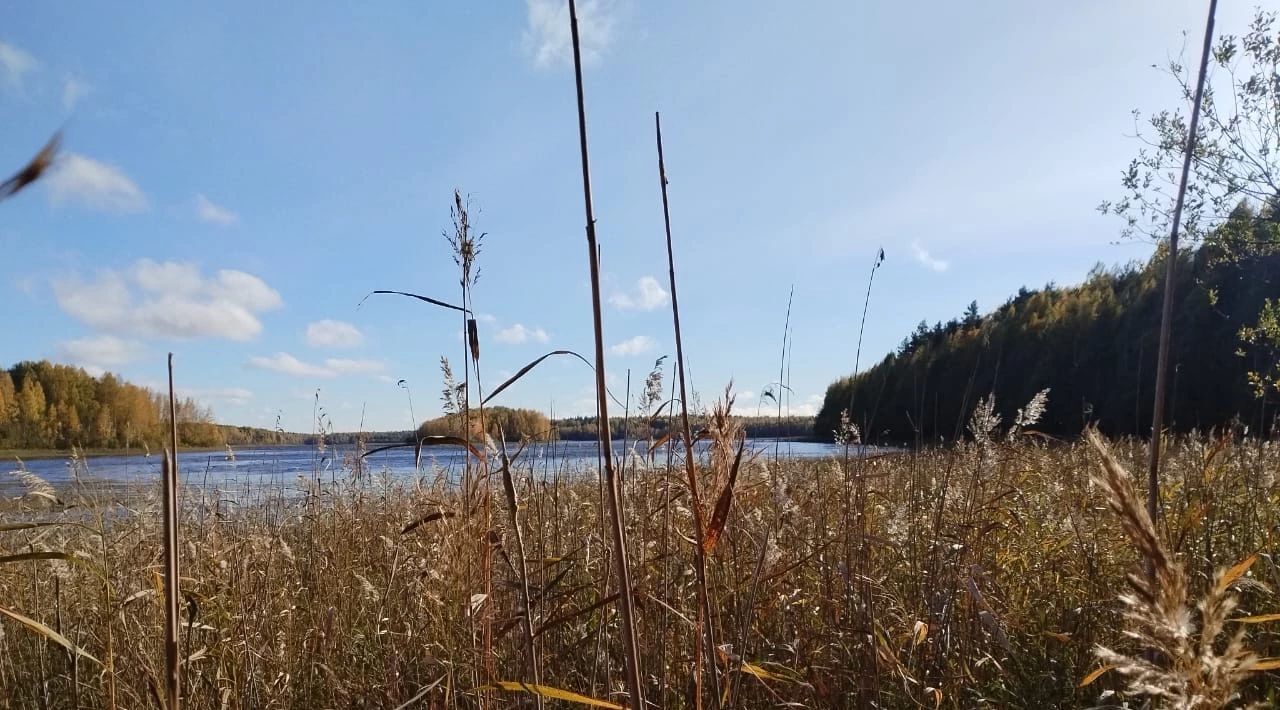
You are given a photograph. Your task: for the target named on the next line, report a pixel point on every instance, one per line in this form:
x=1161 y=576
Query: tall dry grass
x=983 y=576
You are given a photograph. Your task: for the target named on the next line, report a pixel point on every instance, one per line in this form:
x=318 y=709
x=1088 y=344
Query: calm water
x=282 y=466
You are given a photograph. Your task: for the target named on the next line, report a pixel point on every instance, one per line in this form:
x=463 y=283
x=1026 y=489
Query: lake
x=282 y=466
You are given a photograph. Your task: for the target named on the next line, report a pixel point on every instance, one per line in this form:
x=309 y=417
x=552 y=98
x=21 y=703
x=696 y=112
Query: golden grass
x=983 y=576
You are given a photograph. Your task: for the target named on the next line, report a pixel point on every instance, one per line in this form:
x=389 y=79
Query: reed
x=635 y=673
x=172 y=575
x=706 y=614
x=1171 y=260
x=997 y=590
x=1190 y=661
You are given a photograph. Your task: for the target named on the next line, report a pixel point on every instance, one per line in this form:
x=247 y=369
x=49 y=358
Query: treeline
x=1093 y=345
x=512 y=424
x=584 y=428
x=518 y=424
x=255 y=436
x=44 y=405
x=49 y=406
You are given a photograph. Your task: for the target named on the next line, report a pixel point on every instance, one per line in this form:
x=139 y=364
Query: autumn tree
x=47 y=405
x=1233 y=190
x=8 y=405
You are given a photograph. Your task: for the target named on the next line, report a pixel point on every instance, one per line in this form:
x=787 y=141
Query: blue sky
x=238 y=176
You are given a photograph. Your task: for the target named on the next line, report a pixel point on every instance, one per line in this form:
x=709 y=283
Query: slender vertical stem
x=170 y=483
x=626 y=434
x=1171 y=265
x=782 y=384
x=635 y=676
x=695 y=500
x=857 y=354
x=526 y=599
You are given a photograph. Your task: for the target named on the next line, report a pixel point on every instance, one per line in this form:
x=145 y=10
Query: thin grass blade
x=547 y=691
x=48 y=633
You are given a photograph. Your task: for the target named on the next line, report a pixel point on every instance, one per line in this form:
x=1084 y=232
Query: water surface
x=285 y=466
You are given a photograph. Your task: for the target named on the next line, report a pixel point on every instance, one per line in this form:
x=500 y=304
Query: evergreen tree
x=1094 y=347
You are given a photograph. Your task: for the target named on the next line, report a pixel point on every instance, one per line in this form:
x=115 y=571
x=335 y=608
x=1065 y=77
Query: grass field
x=981 y=576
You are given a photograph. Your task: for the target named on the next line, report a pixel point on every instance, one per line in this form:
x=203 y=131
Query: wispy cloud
x=333 y=334
x=547 y=37
x=100 y=352
x=168 y=299
x=647 y=296
x=808 y=407
x=212 y=213
x=238 y=396
x=519 y=333
x=354 y=367
x=287 y=364
x=73 y=89
x=89 y=183
x=637 y=345
x=926 y=259
x=15 y=64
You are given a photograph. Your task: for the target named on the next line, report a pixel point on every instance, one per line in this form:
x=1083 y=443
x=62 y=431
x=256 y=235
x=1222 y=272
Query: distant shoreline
x=9 y=455
x=35 y=454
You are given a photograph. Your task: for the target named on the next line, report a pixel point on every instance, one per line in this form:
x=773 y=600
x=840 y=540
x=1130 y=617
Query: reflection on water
x=283 y=467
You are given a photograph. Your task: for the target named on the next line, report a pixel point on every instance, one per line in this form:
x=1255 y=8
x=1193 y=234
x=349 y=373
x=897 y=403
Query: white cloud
x=237 y=396
x=808 y=408
x=333 y=334
x=15 y=64
x=73 y=90
x=549 y=40
x=648 y=296
x=354 y=367
x=287 y=364
x=518 y=333
x=168 y=299
x=100 y=351
x=77 y=179
x=637 y=345
x=927 y=260
x=212 y=213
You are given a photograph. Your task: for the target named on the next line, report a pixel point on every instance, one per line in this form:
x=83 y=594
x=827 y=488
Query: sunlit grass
x=984 y=575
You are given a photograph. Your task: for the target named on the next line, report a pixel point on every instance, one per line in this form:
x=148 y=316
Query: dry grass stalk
x=172 y=577
x=1190 y=667
x=706 y=618
x=1004 y=603
x=526 y=599
x=1171 y=261
x=635 y=674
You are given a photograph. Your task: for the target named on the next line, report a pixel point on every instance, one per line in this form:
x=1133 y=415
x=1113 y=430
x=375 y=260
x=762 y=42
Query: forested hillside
x=1093 y=346
x=637 y=427
x=512 y=424
x=49 y=406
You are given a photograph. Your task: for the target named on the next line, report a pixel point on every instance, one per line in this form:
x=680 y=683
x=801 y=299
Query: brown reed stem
x=526 y=599
x=171 y=574
x=695 y=500
x=1171 y=264
x=635 y=677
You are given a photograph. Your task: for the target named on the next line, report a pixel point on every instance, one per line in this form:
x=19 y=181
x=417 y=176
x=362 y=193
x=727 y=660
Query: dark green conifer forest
x=1094 y=347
